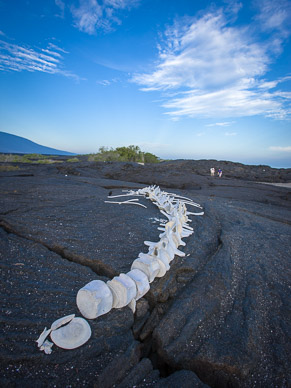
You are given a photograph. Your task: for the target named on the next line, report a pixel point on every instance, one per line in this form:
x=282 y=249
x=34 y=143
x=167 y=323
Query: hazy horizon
x=218 y=160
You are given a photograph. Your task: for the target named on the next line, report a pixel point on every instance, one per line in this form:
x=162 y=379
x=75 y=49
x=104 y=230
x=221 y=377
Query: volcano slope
x=219 y=317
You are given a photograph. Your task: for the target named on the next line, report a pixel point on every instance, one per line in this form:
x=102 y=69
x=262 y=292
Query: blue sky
x=181 y=79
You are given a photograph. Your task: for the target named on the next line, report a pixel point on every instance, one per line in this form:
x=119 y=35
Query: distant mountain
x=12 y=144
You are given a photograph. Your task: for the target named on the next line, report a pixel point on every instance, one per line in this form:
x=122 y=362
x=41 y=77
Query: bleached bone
x=148 y=265
x=171 y=248
x=193 y=204
x=163 y=265
x=125 y=195
x=129 y=202
x=181 y=231
x=94 y=299
x=195 y=214
x=177 y=238
x=46 y=347
x=173 y=242
x=162 y=256
x=167 y=246
x=179 y=196
x=72 y=335
x=132 y=305
x=176 y=229
x=141 y=282
x=166 y=249
x=161 y=253
x=123 y=289
x=43 y=336
x=62 y=321
x=185 y=226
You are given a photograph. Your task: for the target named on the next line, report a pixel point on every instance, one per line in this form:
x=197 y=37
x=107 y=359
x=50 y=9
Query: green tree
x=131 y=153
x=150 y=158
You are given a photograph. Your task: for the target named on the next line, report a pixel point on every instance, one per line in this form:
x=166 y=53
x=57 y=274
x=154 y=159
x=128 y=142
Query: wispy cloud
x=230 y=133
x=223 y=124
x=104 y=82
x=93 y=15
x=280 y=149
x=14 y=57
x=274 y=15
x=107 y=82
x=62 y=6
x=218 y=70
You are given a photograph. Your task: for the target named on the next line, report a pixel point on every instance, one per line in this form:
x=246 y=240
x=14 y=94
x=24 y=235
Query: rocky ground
x=220 y=317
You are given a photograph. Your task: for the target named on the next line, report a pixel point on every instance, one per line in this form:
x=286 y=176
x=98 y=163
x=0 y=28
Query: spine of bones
x=98 y=297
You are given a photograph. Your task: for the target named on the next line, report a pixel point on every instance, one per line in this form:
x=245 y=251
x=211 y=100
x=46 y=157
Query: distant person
x=219 y=173
x=212 y=171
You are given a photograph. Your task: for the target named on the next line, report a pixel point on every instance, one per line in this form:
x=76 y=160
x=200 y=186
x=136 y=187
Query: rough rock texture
x=219 y=317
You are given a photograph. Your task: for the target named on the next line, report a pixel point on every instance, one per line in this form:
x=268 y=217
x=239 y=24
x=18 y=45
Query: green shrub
x=123 y=154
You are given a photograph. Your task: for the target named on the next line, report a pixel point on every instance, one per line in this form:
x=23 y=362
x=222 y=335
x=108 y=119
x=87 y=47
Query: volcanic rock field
x=220 y=317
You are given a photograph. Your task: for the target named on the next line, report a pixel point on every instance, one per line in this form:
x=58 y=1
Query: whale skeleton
x=98 y=297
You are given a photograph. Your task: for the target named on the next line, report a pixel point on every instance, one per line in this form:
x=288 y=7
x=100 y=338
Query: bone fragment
x=43 y=336
x=62 y=321
x=46 y=347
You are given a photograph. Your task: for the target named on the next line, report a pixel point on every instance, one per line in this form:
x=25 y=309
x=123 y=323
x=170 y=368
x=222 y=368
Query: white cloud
x=87 y=16
x=104 y=82
x=93 y=15
x=223 y=124
x=274 y=15
x=107 y=82
x=217 y=70
x=18 y=58
x=280 y=149
x=206 y=54
x=61 y=5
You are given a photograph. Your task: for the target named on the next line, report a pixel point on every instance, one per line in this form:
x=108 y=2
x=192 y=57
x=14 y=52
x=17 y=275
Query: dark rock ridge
x=184 y=173
x=218 y=318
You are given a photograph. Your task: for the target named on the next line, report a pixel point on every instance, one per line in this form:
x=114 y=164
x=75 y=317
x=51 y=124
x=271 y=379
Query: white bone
x=163 y=266
x=72 y=335
x=123 y=289
x=196 y=214
x=160 y=253
x=127 y=203
x=46 y=347
x=124 y=195
x=132 y=305
x=148 y=265
x=141 y=282
x=62 y=321
x=168 y=234
x=43 y=336
x=94 y=299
